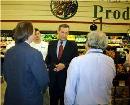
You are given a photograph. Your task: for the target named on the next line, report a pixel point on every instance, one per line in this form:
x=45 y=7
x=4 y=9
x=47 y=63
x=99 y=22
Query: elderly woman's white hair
x=97 y=40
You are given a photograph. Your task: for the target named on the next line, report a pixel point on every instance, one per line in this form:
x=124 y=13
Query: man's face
x=37 y=35
x=63 y=33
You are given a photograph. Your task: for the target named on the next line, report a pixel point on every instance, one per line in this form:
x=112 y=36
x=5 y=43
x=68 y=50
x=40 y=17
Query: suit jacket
x=58 y=79
x=26 y=75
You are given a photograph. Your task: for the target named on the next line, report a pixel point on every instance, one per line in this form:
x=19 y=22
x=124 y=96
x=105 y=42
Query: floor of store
x=121 y=91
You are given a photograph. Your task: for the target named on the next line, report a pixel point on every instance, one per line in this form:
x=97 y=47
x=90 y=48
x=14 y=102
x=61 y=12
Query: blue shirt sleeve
x=71 y=83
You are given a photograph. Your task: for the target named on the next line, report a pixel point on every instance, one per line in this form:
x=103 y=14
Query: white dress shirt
x=58 y=44
x=42 y=47
x=89 y=79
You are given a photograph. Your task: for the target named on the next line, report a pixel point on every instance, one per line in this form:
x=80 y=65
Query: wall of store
x=39 y=12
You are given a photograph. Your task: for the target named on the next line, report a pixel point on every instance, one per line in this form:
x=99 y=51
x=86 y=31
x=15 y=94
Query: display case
x=120 y=39
x=78 y=37
x=120 y=96
x=6 y=38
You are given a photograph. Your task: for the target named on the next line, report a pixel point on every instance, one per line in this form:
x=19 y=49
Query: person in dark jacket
x=60 y=53
x=24 y=69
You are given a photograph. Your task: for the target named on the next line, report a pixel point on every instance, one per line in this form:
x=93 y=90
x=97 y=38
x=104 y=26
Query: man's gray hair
x=97 y=40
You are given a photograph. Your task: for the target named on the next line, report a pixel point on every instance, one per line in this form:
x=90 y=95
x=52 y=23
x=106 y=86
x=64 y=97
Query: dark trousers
x=56 y=98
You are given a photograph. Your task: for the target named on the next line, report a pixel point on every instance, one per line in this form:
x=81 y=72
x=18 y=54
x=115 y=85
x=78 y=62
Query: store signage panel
x=116 y=14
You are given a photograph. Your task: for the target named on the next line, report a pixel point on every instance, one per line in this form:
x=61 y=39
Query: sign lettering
x=116 y=14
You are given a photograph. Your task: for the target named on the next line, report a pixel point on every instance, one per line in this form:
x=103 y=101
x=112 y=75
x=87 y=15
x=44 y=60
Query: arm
x=5 y=67
x=76 y=50
x=39 y=70
x=48 y=61
x=71 y=83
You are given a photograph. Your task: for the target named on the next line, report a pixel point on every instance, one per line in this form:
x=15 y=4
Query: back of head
x=97 y=40
x=36 y=29
x=12 y=33
x=23 y=30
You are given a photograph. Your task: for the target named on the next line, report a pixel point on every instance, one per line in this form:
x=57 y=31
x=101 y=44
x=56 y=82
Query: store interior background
x=39 y=12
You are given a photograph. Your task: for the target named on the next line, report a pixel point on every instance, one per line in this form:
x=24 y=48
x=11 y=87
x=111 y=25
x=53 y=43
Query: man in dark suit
x=60 y=53
x=24 y=70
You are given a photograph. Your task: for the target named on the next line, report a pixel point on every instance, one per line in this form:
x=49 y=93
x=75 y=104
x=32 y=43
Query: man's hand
x=59 y=67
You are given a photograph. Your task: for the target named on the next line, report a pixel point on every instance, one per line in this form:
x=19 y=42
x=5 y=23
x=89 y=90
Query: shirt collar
x=27 y=42
x=64 y=42
x=95 y=50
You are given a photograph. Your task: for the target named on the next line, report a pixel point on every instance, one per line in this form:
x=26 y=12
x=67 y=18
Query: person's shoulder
x=10 y=45
x=71 y=42
x=43 y=42
x=32 y=54
x=32 y=44
x=11 y=49
x=108 y=58
x=30 y=48
x=34 y=51
x=78 y=59
x=53 y=42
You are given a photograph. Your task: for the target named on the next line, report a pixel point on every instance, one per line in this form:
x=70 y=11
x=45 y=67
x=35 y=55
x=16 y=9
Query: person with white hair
x=90 y=76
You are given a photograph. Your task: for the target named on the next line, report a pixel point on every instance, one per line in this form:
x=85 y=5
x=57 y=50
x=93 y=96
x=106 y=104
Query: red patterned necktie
x=60 y=50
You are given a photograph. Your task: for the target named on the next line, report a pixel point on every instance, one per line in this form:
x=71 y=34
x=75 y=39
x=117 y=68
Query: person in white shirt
x=41 y=46
x=38 y=44
x=90 y=76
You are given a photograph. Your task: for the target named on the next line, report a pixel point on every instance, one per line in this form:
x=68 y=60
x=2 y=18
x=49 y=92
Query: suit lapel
x=55 y=48
x=65 y=49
